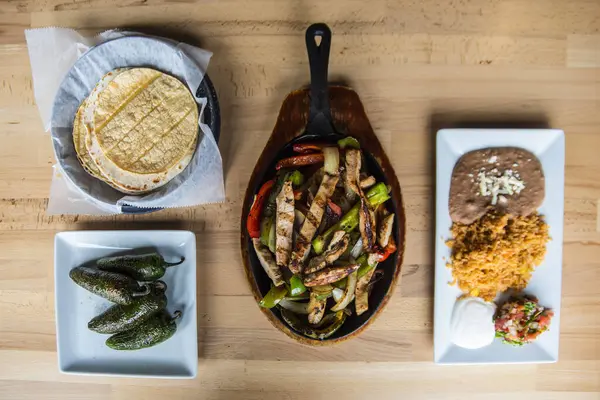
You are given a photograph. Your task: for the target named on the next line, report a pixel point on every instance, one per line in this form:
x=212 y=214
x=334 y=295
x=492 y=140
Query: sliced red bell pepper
x=307 y=147
x=334 y=207
x=298 y=161
x=253 y=221
x=388 y=250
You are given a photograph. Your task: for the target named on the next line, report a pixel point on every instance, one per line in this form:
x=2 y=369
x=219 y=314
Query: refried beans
x=507 y=180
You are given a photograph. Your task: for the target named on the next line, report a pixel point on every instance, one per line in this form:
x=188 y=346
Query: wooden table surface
x=418 y=66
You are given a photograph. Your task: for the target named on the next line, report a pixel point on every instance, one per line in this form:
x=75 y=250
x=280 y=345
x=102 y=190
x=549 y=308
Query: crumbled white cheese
x=495 y=184
x=493 y=159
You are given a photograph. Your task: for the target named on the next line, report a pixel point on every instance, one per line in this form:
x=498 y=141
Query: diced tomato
x=500 y=324
x=532 y=336
x=519 y=315
x=544 y=321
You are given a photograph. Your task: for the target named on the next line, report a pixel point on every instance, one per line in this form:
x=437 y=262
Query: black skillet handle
x=318 y=58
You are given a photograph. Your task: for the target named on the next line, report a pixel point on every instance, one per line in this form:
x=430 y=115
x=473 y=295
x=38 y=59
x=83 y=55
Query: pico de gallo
x=521 y=320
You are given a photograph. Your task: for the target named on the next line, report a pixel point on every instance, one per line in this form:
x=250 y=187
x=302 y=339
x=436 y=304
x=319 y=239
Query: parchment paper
x=65 y=69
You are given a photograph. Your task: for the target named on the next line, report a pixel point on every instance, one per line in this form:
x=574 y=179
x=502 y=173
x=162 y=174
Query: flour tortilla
x=79 y=132
x=81 y=123
x=144 y=129
x=81 y=126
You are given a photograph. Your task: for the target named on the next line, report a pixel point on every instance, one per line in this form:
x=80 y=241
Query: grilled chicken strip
x=373 y=258
x=312 y=222
x=329 y=275
x=316 y=308
x=336 y=248
x=337 y=237
x=366 y=225
x=374 y=221
x=367 y=182
x=361 y=294
x=366 y=220
x=284 y=224
x=353 y=163
x=268 y=263
x=385 y=230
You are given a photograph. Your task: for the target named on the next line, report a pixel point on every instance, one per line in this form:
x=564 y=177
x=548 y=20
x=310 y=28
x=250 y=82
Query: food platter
x=82 y=351
x=545 y=284
x=122 y=53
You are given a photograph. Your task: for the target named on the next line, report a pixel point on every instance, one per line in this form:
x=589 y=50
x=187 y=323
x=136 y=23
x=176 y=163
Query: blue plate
x=129 y=51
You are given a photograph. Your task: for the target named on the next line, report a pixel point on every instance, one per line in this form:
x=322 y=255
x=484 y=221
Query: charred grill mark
x=302 y=246
x=373 y=222
x=284 y=224
x=329 y=275
x=331 y=255
x=286 y=217
x=313 y=220
x=366 y=225
x=295 y=267
x=316 y=308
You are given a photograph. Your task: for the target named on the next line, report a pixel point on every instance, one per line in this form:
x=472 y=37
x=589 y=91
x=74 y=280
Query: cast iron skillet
x=212 y=118
x=326 y=113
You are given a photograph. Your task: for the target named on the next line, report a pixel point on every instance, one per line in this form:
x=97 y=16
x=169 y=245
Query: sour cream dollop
x=472 y=325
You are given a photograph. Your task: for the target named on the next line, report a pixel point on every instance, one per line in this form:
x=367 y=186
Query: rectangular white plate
x=81 y=351
x=549 y=146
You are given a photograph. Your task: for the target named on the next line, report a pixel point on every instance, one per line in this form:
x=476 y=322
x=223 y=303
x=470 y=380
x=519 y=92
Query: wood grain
x=417 y=66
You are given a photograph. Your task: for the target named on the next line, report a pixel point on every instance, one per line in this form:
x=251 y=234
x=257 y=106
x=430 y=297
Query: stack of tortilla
x=137 y=129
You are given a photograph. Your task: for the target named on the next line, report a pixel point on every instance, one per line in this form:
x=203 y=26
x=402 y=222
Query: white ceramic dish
x=81 y=351
x=549 y=146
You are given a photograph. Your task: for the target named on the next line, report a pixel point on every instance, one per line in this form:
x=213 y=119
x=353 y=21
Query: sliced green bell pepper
x=296 y=286
x=348 y=142
x=274 y=296
x=365 y=267
x=296 y=178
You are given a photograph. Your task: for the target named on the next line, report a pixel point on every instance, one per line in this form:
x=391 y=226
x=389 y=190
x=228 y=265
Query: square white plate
x=81 y=351
x=549 y=146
